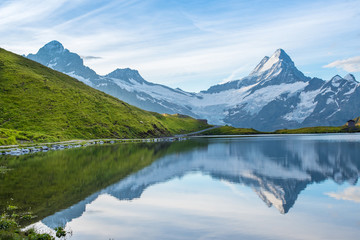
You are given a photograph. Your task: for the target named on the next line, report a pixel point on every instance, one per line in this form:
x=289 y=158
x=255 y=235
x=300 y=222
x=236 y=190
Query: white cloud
x=350 y=194
x=349 y=65
x=15 y=13
x=234 y=75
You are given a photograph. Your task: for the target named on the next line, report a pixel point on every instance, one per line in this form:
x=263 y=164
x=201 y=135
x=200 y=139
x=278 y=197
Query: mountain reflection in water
x=277 y=168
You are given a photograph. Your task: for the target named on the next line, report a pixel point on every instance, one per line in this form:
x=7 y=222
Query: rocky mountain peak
x=337 y=81
x=126 y=74
x=52 y=47
x=281 y=55
x=350 y=77
x=55 y=56
x=336 y=78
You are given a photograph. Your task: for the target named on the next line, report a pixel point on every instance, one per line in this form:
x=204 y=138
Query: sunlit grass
x=42 y=103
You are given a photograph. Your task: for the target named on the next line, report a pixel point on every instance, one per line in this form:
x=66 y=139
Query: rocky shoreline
x=17 y=150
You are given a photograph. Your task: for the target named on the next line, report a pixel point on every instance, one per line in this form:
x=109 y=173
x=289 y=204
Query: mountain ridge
x=274 y=95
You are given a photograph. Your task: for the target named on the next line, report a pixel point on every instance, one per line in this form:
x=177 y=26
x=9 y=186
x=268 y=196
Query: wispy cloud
x=234 y=75
x=349 y=65
x=90 y=57
x=349 y=194
x=22 y=13
x=216 y=41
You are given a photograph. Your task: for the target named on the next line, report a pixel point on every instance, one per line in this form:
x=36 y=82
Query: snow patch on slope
x=252 y=102
x=258 y=99
x=351 y=91
x=228 y=98
x=269 y=63
x=335 y=81
x=84 y=80
x=304 y=108
x=156 y=91
x=52 y=65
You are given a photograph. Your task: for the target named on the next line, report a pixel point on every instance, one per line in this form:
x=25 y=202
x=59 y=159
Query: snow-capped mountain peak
x=281 y=55
x=278 y=61
x=259 y=66
x=350 y=77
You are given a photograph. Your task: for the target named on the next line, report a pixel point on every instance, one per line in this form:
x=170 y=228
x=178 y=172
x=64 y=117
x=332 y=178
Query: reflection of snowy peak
x=275 y=94
x=280 y=194
x=278 y=169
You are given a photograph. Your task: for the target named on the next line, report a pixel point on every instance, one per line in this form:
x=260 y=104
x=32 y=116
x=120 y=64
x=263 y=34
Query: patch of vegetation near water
x=342 y=129
x=228 y=130
x=180 y=124
x=10 y=228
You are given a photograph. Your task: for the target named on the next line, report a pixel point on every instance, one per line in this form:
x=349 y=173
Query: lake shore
x=214 y=131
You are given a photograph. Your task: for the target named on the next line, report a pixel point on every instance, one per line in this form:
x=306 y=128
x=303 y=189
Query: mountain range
x=274 y=95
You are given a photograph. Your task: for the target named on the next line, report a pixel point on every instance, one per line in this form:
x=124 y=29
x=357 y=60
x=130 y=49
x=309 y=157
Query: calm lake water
x=257 y=187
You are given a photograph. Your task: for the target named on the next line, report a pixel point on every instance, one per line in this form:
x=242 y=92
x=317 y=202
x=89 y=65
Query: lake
x=249 y=187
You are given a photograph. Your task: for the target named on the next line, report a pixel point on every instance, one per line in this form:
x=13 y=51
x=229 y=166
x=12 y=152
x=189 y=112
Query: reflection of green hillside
x=49 y=182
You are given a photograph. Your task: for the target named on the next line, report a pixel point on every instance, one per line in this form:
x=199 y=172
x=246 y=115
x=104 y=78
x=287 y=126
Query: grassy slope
x=311 y=130
x=325 y=129
x=39 y=100
x=12 y=137
x=228 y=130
x=179 y=124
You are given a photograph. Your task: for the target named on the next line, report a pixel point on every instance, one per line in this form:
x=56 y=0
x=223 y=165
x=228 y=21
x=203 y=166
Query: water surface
x=257 y=187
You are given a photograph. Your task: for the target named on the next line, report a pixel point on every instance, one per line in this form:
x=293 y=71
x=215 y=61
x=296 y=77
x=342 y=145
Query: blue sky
x=190 y=44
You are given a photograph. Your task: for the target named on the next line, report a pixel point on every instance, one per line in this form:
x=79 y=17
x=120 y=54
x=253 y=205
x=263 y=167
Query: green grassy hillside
x=12 y=137
x=228 y=130
x=41 y=101
x=321 y=129
x=311 y=130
